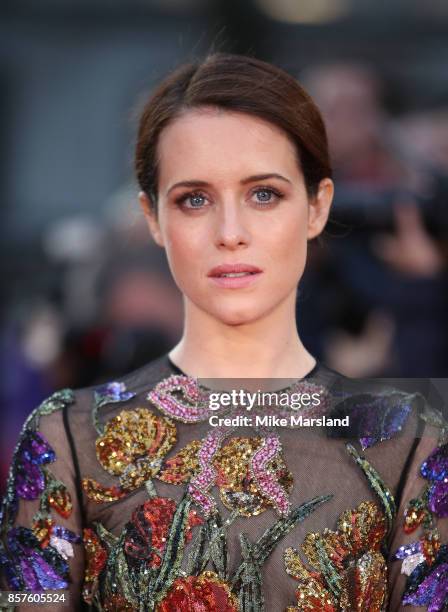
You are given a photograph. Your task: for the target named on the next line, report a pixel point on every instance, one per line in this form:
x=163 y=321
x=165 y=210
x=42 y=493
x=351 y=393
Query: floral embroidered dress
x=125 y=496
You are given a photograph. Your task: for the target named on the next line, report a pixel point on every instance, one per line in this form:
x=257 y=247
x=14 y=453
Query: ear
x=319 y=208
x=149 y=210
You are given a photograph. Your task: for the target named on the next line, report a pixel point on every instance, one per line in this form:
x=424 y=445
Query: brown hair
x=236 y=83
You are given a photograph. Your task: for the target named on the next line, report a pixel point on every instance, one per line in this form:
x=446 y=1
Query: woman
x=179 y=512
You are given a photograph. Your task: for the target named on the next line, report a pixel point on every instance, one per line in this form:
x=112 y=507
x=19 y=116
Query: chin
x=236 y=317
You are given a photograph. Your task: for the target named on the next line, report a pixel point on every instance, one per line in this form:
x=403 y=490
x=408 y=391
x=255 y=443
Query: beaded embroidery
x=250 y=472
x=425 y=561
x=145 y=567
x=374 y=417
x=251 y=475
x=349 y=571
x=181 y=398
x=35 y=559
x=131 y=447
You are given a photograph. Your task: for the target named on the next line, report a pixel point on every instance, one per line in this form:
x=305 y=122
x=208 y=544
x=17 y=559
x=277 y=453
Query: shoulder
x=117 y=388
x=378 y=409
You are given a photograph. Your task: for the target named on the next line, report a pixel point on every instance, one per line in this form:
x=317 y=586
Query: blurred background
x=87 y=297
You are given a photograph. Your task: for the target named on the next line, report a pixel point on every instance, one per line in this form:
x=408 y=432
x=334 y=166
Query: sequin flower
x=33 y=452
x=348 y=570
x=96 y=557
x=35 y=568
x=428 y=584
x=423 y=550
x=205 y=592
x=247 y=482
x=435 y=469
x=147 y=532
x=132 y=447
x=250 y=472
x=112 y=392
x=373 y=417
x=57 y=536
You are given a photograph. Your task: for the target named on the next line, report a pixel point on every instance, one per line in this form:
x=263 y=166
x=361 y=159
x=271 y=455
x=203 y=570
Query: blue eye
x=196 y=200
x=266 y=195
x=191 y=201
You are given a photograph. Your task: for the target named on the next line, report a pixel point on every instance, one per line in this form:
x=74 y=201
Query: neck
x=269 y=347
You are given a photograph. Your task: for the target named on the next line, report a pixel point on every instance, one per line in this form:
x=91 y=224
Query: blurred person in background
x=386 y=278
x=116 y=309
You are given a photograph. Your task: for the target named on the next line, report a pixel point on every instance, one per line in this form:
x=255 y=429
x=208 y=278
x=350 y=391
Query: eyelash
x=181 y=200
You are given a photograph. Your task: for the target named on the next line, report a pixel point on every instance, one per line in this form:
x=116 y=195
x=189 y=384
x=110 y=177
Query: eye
x=265 y=195
x=192 y=201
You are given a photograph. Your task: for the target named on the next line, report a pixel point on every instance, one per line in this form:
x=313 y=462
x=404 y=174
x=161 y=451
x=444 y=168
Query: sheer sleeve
x=418 y=568
x=41 y=520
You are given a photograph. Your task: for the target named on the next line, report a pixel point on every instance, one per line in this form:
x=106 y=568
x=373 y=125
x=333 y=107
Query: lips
x=238 y=268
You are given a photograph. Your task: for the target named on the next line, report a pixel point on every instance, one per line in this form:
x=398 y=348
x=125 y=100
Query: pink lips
x=236 y=281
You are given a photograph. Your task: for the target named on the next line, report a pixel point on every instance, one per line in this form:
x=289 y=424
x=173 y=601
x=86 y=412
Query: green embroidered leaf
x=218 y=546
x=105 y=535
x=174 y=551
x=268 y=540
x=56 y=401
x=377 y=484
x=150 y=488
x=123 y=578
x=332 y=578
x=197 y=562
x=250 y=594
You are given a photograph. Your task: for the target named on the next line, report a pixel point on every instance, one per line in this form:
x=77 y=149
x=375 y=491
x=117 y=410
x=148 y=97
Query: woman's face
x=231 y=192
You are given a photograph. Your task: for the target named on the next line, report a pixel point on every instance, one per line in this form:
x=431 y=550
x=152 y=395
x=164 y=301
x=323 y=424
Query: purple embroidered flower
x=428 y=584
x=435 y=469
x=373 y=417
x=407 y=550
x=65 y=534
x=438 y=499
x=62 y=539
x=411 y=555
x=436 y=465
x=39 y=568
x=34 y=451
x=112 y=392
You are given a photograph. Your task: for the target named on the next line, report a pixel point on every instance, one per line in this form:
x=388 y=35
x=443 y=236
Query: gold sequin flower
x=348 y=569
x=132 y=447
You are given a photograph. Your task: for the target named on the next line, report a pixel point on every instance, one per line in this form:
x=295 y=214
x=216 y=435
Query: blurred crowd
x=373 y=301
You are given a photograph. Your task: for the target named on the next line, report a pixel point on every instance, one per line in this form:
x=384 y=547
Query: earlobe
x=319 y=208
x=151 y=218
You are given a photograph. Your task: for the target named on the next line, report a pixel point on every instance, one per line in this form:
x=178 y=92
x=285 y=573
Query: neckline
x=178 y=371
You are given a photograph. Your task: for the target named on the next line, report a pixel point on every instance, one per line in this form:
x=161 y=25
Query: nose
x=231 y=229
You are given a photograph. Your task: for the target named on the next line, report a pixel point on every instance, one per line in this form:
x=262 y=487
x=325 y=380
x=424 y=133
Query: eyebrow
x=245 y=181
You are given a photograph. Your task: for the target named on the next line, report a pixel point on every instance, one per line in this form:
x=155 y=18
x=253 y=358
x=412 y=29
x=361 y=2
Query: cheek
x=288 y=243
x=185 y=252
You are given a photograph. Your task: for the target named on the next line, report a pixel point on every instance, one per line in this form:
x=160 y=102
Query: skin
x=247 y=332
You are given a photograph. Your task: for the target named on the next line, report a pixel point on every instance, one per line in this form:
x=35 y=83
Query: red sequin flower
x=147 y=532
x=96 y=558
x=204 y=593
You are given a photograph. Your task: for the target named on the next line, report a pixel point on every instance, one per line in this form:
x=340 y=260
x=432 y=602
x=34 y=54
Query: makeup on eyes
x=267 y=189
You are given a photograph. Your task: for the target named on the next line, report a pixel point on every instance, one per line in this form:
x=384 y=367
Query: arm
x=41 y=526
x=420 y=577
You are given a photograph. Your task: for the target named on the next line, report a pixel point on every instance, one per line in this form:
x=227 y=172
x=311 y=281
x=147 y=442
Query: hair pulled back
x=236 y=83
